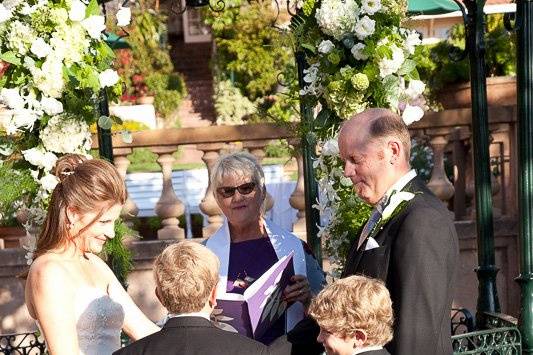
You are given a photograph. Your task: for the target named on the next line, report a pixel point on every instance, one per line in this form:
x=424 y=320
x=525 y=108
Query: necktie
x=374 y=219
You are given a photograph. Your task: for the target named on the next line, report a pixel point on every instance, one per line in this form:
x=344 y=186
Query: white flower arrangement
x=358 y=56
x=57 y=63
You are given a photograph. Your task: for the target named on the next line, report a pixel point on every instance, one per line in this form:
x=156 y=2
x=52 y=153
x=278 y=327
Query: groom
x=410 y=240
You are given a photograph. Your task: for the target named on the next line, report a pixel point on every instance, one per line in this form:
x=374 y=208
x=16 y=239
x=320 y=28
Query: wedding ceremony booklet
x=253 y=312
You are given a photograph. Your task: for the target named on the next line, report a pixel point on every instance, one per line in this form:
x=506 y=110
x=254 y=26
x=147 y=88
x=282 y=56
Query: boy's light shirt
x=367 y=348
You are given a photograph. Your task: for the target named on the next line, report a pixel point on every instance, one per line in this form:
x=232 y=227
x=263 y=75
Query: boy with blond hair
x=355 y=316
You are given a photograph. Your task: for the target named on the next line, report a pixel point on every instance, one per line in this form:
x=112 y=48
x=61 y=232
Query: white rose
x=77 y=11
x=123 y=16
x=5 y=14
x=12 y=98
x=108 y=77
x=330 y=148
x=40 y=158
x=24 y=118
x=49 y=182
x=40 y=48
x=94 y=25
x=365 y=27
x=412 y=40
x=11 y=4
x=415 y=89
x=412 y=114
x=370 y=6
x=325 y=46
x=51 y=106
x=357 y=51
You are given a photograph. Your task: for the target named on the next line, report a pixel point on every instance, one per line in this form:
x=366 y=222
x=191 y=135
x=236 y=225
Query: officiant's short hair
x=185 y=274
x=355 y=303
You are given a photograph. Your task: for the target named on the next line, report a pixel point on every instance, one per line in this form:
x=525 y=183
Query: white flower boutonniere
x=395 y=201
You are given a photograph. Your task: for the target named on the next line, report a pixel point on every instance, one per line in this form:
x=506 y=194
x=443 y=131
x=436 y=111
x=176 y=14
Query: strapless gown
x=99 y=322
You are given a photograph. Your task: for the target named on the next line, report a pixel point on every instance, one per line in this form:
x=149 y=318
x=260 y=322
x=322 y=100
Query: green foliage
x=438 y=70
x=231 y=105
x=277 y=149
x=117 y=255
x=169 y=90
x=15 y=185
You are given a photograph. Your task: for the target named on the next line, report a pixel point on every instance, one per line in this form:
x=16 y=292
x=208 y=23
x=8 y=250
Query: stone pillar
x=297 y=199
x=169 y=207
x=121 y=161
x=209 y=205
x=439 y=183
x=257 y=149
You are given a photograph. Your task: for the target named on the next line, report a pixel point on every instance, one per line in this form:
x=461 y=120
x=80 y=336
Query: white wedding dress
x=99 y=322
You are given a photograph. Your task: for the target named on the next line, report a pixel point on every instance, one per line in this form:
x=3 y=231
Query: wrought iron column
x=486 y=271
x=524 y=23
x=105 y=143
x=312 y=215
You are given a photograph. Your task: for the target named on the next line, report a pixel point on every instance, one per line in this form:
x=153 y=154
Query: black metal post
x=312 y=215
x=486 y=271
x=524 y=19
x=105 y=142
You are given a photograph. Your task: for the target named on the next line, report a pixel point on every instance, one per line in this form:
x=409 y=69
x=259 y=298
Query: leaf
x=93 y=9
x=309 y=47
x=105 y=122
x=407 y=67
x=10 y=57
x=323 y=117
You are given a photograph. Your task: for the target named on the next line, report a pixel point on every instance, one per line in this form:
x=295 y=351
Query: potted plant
x=448 y=79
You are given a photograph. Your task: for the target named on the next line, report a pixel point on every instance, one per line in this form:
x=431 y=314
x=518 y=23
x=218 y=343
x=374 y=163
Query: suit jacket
x=417 y=260
x=375 y=352
x=301 y=340
x=193 y=336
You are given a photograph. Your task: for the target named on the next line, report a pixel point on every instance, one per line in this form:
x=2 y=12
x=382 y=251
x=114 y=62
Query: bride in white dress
x=76 y=299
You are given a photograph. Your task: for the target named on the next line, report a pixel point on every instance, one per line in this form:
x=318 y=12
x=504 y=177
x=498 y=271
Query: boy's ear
x=213 y=296
x=157 y=294
x=360 y=338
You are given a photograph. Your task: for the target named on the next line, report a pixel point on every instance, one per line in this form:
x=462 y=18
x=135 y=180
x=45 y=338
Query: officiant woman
x=248 y=245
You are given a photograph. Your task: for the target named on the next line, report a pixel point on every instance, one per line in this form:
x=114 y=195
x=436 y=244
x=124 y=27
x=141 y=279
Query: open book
x=253 y=312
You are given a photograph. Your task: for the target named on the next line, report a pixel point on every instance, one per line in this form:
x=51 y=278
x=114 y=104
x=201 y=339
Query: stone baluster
x=169 y=207
x=439 y=183
x=130 y=209
x=209 y=205
x=297 y=199
x=257 y=149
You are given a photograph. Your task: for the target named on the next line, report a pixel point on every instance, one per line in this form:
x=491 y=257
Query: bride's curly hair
x=85 y=185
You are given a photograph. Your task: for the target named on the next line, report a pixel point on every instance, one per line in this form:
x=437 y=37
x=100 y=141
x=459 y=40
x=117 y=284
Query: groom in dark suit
x=186 y=276
x=410 y=240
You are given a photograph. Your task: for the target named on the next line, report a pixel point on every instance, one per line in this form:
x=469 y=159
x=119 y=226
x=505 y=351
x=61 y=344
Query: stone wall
x=14 y=317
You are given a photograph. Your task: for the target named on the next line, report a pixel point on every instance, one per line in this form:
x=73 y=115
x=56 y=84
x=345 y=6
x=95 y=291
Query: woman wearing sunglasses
x=248 y=245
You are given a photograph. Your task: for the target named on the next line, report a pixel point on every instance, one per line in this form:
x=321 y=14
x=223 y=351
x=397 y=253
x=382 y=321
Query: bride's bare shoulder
x=47 y=269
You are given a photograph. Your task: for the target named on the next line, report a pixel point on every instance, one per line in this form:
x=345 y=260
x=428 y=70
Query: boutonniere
x=397 y=202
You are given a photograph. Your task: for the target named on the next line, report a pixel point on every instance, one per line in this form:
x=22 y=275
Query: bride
x=76 y=299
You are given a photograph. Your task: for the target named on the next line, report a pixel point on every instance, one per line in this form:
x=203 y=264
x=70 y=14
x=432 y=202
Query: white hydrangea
x=123 y=16
x=40 y=48
x=77 y=11
x=49 y=182
x=390 y=66
x=357 y=51
x=11 y=4
x=325 y=46
x=39 y=157
x=94 y=25
x=49 y=78
x=108 y=77
x=337 y=18
x=64 y=134
x=5 y=14
x=365 y=27
x=12 y=98
x=71 y=43
x=412 y=114
x=370 y=7
x=415 y=89
x=20 y=37
x=51 y=106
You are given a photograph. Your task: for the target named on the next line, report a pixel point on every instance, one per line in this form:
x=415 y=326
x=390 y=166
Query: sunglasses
x=244 y=189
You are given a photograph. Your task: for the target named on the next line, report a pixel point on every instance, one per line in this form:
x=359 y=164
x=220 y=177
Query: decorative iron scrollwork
x=462 y=321
x=499 y=341
x=22 y=344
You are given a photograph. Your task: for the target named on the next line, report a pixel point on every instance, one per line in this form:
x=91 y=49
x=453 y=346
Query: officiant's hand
x=299 y=290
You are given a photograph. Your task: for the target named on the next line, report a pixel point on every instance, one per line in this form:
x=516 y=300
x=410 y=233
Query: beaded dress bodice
x=99 y=322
